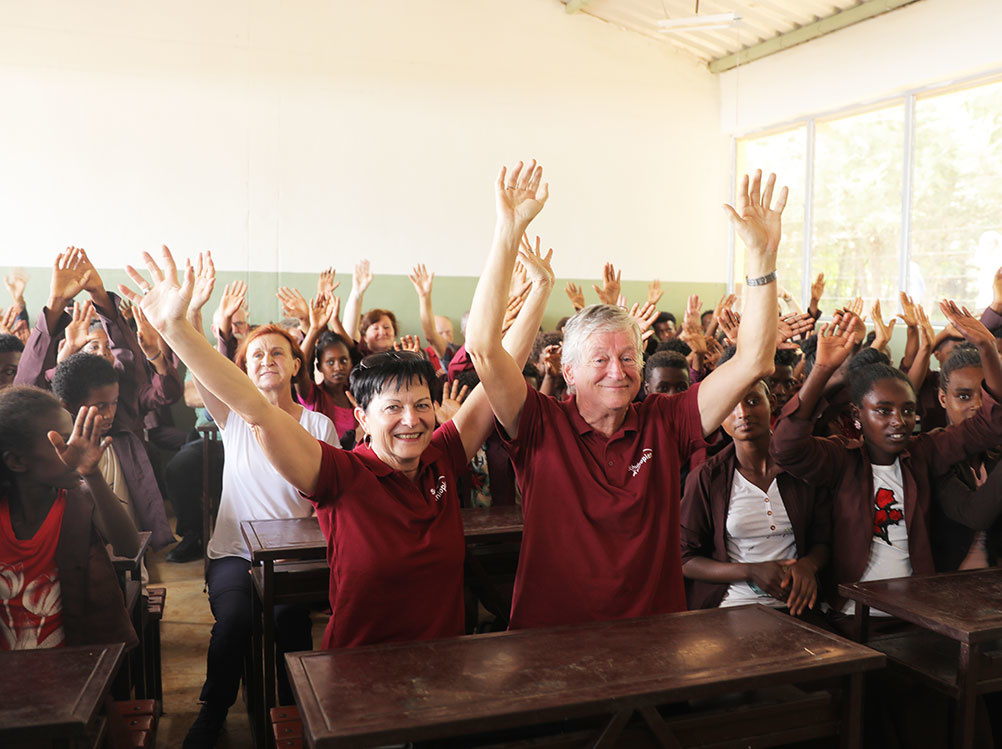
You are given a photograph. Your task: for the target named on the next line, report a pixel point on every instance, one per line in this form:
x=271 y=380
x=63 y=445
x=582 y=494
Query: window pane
x=956 y=241
x=857 y=207
x=785 y=154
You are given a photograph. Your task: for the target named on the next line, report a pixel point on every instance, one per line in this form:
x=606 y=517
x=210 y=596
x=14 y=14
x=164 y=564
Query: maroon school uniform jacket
x=845 y=465
x=142 y=482
x=704 y=519
x=93 y=606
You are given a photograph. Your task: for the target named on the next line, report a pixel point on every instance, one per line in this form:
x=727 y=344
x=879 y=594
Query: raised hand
x=693 y=310
x=453 y=395
x=817 y=289
x=408 y=343
x=125 y=309
x=552 y=359
x=93 y=284
x=927 y=335
x=68 y=277
x=422 y=280
x=77 y=331
x=8 y=321
x=15 y=284
x=164 y=301
x=320 y=311
x=294 y=304
x=361 y=277
x=908 y=314
x=645 y=315
x=326 y=283
x=836 y=341
x=515 y=303
x=149 y=339
x=730 y=321
x=883 y=330
x=997 y=291
x=536 y=266
x=576 y=295
x=967 y=324
x=756 y=220
x=234 y=297
x=609 y=293
x=83 y=452
x=519 y=197
x=713 y=352
x=790 y=326
x=654 y=292
x=205 y=281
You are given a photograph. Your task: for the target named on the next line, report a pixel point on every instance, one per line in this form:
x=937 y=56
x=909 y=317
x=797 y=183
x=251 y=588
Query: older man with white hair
x=599 y=474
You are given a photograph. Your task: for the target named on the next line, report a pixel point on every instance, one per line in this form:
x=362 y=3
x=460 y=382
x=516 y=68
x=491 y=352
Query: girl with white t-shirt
x=882 y=483
x=750 y=532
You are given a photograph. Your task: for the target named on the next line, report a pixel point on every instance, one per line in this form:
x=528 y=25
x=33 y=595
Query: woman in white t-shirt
x=750 y=532
x=252 y=490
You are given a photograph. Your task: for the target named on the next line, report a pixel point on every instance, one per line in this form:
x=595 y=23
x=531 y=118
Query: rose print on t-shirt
x=885 y=515
x=22 y=623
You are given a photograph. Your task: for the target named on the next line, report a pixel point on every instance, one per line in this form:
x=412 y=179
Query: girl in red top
x=57 y=585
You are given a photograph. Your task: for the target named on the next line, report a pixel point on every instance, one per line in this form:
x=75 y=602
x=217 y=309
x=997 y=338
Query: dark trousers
x=183 y=483
x=230 y=591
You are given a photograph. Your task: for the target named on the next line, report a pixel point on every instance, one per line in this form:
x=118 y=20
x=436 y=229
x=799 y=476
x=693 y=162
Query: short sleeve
x=338 y=470
x=321 y=427
x=680 y=413
x=529 y=424
x=447 y=440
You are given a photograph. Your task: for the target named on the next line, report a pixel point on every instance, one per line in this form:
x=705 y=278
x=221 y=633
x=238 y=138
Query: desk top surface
x=126 y=564
x=54 y=693
x=426 y=690
x=301 y=538
x=965 y=606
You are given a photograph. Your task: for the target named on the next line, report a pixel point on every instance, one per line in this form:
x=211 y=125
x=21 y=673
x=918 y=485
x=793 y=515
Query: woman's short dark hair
x=77 y=375
x=963 y=356
x=373 y=316
x=392 y=369
x=862 y=380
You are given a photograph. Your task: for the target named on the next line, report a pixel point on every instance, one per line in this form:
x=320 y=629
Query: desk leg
x=254 y=681
x=492 y=598
x=612 y=730
x=268 y=646
x=967 y=695
x=861 y=622
x=852 y=713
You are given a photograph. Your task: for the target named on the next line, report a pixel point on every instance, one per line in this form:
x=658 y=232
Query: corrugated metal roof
x=761 y=20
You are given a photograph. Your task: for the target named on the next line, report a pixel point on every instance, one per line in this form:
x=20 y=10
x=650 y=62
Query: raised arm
x=293 y=452
x=518 y=200
x=758 y=222
x=82 y=452
x=422 y=281
x=475 y=419
x=919 y=367
x=361 y=279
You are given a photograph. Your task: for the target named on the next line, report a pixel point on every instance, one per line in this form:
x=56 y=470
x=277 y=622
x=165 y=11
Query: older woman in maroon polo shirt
x=390 y=507
x=599 y=474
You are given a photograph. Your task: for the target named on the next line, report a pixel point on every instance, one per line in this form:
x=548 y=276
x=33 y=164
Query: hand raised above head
x=836 y=341
x=538 y=267
x=164 y=300
x=521 y=195
x=967 y=324
x=756 y=219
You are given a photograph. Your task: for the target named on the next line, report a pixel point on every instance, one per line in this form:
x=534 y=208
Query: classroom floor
x=184 y=636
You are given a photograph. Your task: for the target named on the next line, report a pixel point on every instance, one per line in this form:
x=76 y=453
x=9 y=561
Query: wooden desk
x=390 y=694
x=492 y=524
x=132 y=680
x=961 y=658
x=493 y=536
x=54 y=695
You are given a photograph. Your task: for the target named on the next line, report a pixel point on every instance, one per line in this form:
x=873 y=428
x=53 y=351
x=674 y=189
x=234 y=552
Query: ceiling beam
x=834 y=22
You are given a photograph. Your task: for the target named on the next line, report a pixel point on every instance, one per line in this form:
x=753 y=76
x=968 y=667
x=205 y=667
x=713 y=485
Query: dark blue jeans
x=230 y=596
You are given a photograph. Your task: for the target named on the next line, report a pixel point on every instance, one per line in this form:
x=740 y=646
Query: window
x=870 y=186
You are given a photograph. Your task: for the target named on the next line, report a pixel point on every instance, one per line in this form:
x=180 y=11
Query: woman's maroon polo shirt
x=601 y=537
x=395 y=546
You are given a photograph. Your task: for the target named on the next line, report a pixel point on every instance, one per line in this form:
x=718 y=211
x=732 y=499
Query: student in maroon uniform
x=390 y=508
x=599 y=474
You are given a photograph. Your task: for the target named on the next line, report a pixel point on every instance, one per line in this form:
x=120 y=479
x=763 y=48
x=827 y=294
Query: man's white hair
x=598 y=318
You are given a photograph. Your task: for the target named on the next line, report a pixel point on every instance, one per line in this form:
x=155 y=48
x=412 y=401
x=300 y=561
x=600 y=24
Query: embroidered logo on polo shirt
x=648 y=454
x=439 y=490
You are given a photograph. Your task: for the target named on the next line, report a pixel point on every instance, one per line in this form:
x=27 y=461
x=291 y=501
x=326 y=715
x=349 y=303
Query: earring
x=859 y=427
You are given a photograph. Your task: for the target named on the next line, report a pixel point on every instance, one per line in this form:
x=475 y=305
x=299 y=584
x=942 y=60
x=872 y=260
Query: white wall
x=926 y=43
x=286 y=136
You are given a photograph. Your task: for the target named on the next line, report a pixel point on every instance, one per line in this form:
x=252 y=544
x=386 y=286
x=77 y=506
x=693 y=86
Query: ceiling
x=767 y=25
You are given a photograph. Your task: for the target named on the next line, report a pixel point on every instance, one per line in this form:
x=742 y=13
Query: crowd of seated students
x=717 y=458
